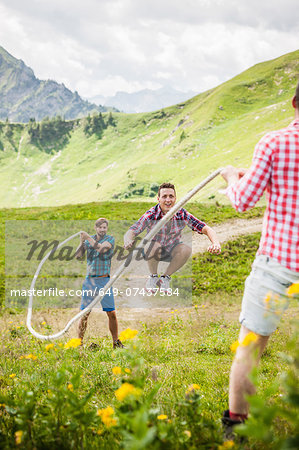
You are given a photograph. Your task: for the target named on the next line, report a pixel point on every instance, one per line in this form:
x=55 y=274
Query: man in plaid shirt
x=99 y=249
x=274 y=169
x=167 y=245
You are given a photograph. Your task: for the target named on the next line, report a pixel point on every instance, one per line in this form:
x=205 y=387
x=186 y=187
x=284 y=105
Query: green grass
x=227 y=276
x=182 y=347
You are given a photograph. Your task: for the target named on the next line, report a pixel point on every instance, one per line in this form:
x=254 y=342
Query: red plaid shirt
x=275 y=167
x=170 y=234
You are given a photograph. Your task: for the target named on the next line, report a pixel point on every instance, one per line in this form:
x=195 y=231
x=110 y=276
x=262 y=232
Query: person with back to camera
x=274 y=169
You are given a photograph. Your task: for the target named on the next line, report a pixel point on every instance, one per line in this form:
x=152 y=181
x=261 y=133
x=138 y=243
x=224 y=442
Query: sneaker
x=229 y=425
x=118 y=344
x=165 y=282
x=151 y=283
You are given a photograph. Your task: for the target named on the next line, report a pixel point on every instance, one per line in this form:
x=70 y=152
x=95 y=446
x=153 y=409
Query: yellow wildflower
x=193 y=387
x=226 y=444
x=234 y=346
x=106 y=416
x=70 y=387
x=49 y=346
x=125 y=390
x=12 y=375
x=43 y=323
x=111 y=423
x=109 y=411
x=250 y=337
x=116 y=370
x=187 y=433
x=30 y=356
x=127 y=334
x=73 y=343
x=162 y=417
x=268 y=297
x=18 y=436
x=127 y=370
x=293 y=289
x=191 y=390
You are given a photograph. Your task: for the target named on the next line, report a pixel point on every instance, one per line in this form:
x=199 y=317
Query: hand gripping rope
x=118 y=272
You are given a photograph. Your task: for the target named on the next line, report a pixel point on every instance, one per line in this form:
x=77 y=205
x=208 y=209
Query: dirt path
x=227 y=231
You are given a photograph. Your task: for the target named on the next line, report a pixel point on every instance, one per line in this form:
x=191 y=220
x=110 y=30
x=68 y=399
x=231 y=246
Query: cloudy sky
x=104 y=46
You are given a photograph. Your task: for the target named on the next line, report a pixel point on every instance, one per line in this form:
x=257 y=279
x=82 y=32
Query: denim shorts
x=90 y=289
x=261 y=311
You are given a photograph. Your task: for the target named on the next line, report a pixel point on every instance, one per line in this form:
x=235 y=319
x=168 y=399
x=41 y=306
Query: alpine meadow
x=168 y=387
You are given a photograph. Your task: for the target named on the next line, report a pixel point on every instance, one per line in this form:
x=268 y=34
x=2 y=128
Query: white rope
x=118 y=272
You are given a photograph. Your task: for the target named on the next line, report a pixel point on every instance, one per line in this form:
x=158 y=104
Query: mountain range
x=113 y=156
x=145 y=100
x=23 y=96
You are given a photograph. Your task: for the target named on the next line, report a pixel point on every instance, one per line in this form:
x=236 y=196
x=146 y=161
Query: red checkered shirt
x=275 y=168
x=170 y=234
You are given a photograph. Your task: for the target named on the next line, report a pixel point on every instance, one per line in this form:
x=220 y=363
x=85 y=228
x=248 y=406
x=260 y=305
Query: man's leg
x=113 y=324
x=245 y=359
x=82 y=326
x=113 y=327
x=153 y=256
x=179 y=256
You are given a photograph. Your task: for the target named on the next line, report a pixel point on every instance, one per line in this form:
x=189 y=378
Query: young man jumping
x=275 y=168
x=167 y=244
x=99 y=249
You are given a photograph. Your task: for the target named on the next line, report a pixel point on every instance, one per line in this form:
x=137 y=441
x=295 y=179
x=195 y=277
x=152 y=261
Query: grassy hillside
x=128 y=158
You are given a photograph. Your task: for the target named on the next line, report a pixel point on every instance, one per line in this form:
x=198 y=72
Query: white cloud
x=103 y=46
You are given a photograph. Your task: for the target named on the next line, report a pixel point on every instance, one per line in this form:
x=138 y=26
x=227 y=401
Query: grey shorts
x=261 y=311
x=166 y=254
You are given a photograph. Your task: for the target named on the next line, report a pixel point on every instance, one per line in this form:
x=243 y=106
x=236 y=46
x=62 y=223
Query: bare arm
x=100 y=248
x=245 y=188
x=215 y=247
x=129 y=238
x=136 y=229
x=80 y=250
x=104 y=247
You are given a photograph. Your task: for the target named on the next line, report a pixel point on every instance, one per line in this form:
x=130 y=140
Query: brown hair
x=166 y=186
x=297 y=95
x=101 y=220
